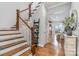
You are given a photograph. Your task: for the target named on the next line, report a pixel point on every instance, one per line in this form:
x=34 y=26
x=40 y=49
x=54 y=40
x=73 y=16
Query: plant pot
x=68 y=31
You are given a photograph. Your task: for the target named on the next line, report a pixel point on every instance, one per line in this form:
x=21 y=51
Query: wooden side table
x=70 y=45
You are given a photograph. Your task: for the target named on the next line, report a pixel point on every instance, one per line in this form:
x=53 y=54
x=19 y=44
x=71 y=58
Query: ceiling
x=49 y=4
x=57 y=11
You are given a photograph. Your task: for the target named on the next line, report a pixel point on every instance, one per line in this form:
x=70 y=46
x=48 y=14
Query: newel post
x=17 y=19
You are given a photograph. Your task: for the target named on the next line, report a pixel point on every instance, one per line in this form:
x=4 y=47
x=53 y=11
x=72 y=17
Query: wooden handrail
x=25 y=23
x=39 y=3
x=24 y=10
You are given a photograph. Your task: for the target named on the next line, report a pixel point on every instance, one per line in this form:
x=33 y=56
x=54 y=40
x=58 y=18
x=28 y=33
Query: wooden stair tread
x=9 y=34
x=10 y=53
x=26 y=53
x=6 y=30
x=13 y=27
x=9 y=30
x=12 y=38
x=12 y=44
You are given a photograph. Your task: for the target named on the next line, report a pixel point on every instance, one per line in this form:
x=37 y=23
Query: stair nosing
x=9 y=34
x=13 y=27
x=9 y=30
x=11 y=44
x=11 y=38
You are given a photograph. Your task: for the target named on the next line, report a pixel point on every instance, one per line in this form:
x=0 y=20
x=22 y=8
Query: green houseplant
x=69 y=23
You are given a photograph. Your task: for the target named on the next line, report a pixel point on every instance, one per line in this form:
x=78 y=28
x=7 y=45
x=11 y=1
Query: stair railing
x=20 y=19
x=31 y=28
x=18 y=12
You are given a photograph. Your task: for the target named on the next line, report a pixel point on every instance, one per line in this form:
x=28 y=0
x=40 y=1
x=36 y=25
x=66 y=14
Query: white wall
x=42 y=34
x=8 y=12
x=41 y=14
x=75 y=5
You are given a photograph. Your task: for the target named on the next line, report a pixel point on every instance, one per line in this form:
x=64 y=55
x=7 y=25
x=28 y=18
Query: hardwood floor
x=50 y=50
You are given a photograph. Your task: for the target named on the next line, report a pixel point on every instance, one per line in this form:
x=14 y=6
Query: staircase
x=12 y=43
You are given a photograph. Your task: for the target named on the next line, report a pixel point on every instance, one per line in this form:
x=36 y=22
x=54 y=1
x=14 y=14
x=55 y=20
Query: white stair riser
x=9 y=36
x=8 y=32
x=11 y=41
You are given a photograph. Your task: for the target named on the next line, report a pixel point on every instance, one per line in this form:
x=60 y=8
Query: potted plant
x=69 y=23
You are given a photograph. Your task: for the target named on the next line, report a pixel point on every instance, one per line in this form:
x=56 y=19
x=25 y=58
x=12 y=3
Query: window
x=58 y=27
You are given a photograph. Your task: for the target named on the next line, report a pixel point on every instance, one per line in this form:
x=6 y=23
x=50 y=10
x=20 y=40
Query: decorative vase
x=68 y=30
